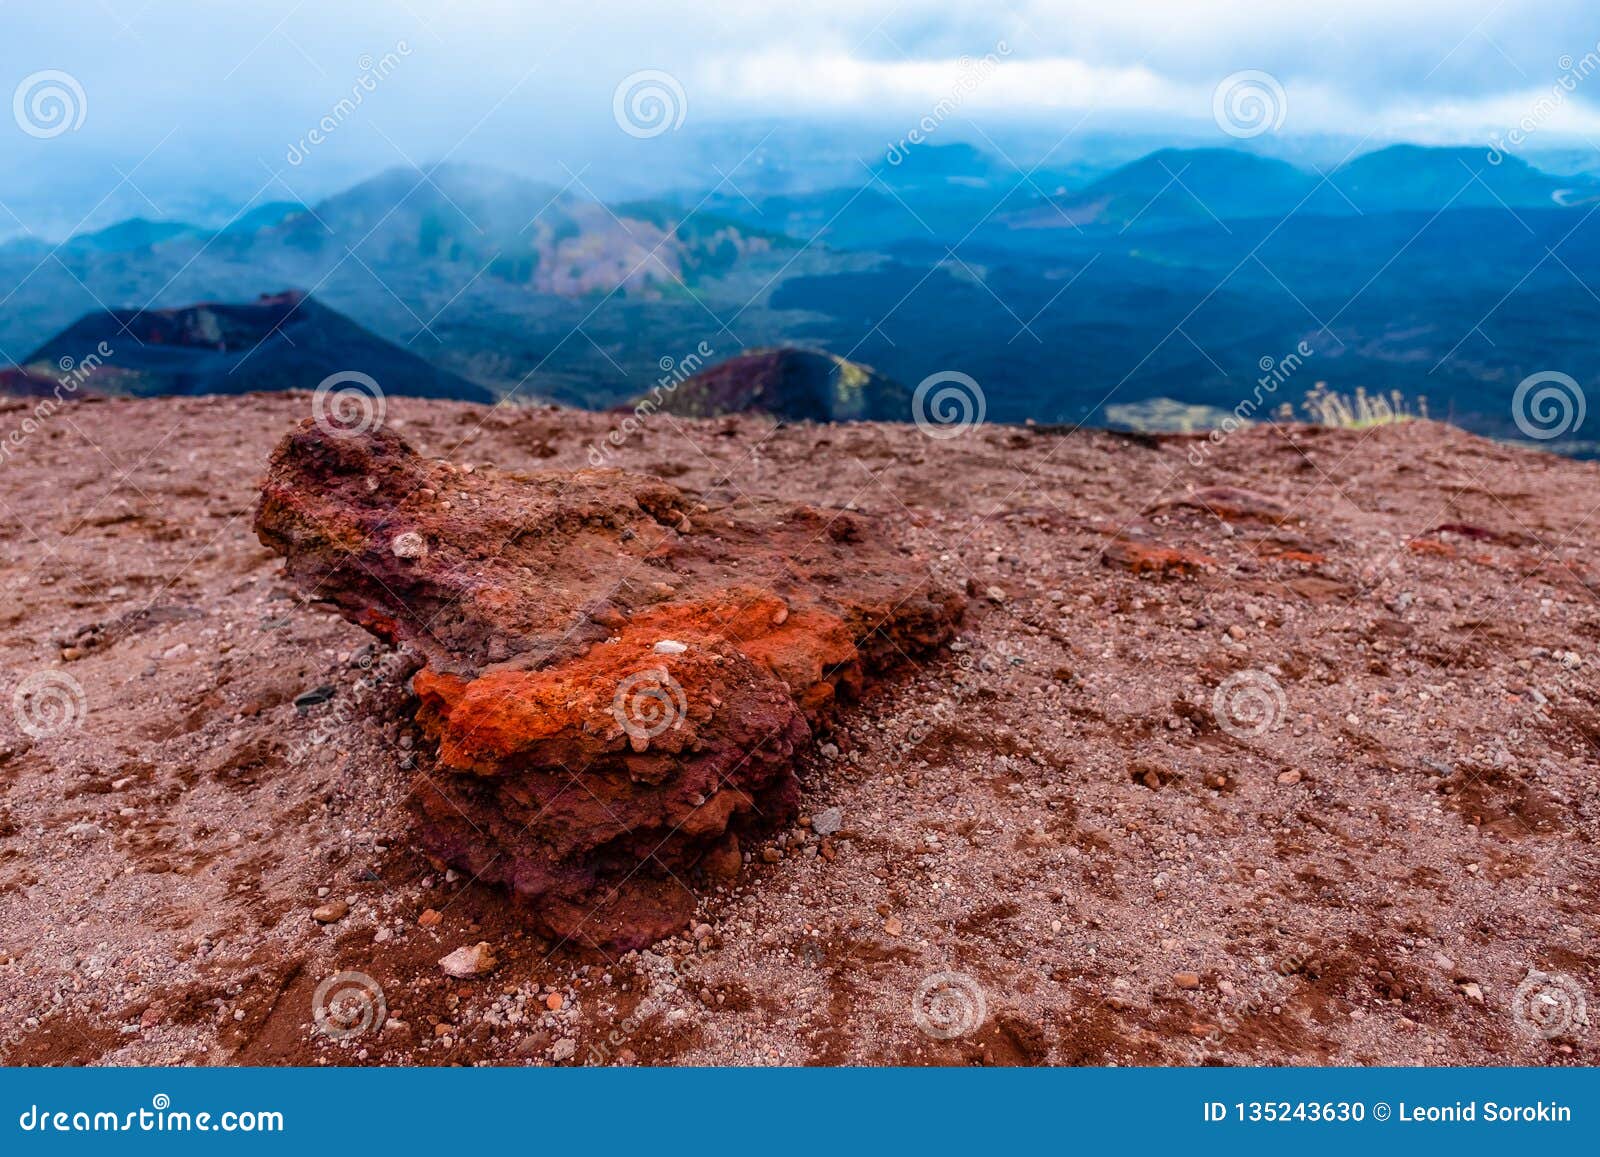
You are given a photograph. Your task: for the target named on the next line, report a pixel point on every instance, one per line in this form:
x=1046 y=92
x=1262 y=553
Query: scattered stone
x=1289 y=778
x=313 y=697
x=409 y=545
x=670 y=647
x=468 y=962
x=1149 y=558
x=1186 y=980
x=828 y=821
x=565 y=1049
x=331 y=912
x=532 y=1044
x=893 y=926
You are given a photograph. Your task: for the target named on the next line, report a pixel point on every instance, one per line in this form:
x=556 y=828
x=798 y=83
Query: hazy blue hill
x=263 y=216
x=952 y=164
x=281 y=342
x=136 y=233
x=1411 y=177
x=446 y=210
x=1183 y=185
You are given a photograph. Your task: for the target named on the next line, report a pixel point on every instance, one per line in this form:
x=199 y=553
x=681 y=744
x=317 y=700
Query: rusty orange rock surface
x=1153 y=559
x=617 y=678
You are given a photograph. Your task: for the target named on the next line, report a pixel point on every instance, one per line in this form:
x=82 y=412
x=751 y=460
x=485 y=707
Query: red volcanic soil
x=1287 y=756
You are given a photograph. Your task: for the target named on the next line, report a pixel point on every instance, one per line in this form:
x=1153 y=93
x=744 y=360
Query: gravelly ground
x=1331 y=799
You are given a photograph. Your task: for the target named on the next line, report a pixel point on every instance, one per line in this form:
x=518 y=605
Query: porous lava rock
x=617 y=678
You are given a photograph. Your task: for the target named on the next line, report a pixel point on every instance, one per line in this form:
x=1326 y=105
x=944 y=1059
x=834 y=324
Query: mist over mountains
x=1186 y=274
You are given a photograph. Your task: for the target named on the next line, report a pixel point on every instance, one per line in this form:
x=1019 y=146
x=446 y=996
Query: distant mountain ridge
x=1176 y=275
x=1222 y=184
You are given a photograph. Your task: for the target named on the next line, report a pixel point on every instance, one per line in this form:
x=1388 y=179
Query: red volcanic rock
x=1152 y=558
x=1233 y=504
x=618 y=679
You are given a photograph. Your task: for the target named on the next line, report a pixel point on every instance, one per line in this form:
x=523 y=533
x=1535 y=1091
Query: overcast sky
x=223 y=88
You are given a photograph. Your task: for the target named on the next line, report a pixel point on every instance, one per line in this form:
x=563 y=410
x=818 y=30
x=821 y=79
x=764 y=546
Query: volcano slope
x=1280 y=750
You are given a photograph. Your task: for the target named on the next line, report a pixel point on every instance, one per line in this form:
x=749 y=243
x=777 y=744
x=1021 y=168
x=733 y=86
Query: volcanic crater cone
x=618 y=678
